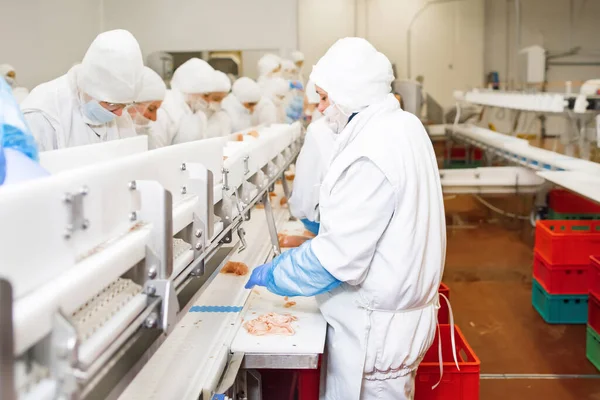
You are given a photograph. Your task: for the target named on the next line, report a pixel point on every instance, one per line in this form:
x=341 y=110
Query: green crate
x=559 y=309
x=553 y=215
x=592 y=348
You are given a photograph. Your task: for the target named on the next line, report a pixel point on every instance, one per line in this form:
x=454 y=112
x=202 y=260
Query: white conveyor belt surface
x=581 y=183
x=310 y=327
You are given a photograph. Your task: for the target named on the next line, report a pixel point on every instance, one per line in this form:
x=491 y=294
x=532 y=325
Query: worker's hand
x=296 y=85
x=260 y=275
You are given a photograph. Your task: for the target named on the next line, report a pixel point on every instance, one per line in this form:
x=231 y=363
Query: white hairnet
x=268 y=63
x=276 y=87
x=222 y=82
x=194 y=76
x=246 y=90
x=311 y=93
x=288 y=65
x=297 y=56
x=5 y=69
x=153 y=87
x=112 y=68
x=354 y=74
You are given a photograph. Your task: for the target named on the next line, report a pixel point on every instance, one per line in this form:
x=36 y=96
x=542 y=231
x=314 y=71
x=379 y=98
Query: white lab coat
x=383 y=234
x=239 y=116
x=311 y=166
x=266 y=113
x=219 y=124
x=176 y=122
x=53 y=112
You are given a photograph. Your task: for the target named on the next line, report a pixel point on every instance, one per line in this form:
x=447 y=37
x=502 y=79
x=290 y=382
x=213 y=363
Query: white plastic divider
x=492 y=180
x=581 y=183
x=56 y=161
x=536 y=102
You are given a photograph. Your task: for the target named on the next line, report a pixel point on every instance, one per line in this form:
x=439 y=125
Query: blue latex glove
x=260 y=275
x=312 y=227
x=296 y=85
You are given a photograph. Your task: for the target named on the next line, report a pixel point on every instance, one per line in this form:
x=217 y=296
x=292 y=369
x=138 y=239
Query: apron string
x=452 y=340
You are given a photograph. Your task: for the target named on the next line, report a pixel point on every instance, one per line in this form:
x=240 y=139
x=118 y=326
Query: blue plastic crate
x=559 y=309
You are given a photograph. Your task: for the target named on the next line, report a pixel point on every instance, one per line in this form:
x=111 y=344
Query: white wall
x=192 y=25
x=42 y=39
x=447 y=45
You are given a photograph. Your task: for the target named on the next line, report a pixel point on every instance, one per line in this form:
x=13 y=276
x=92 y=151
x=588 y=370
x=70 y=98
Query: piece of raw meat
x=290 y=241
x=234 y=267
x=271 y=324
x=289 y=304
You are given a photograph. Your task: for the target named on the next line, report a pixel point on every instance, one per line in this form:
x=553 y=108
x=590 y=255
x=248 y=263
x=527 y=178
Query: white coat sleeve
x=42 y=130
x=159 y=134
x=268 y=115
x=359 y=209
x=307 y=182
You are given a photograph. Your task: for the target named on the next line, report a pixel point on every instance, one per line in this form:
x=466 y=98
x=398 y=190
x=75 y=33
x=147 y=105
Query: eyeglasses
x=112 y=107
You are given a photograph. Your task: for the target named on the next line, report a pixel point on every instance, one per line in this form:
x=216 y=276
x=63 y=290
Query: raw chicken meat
x=271 y=324
x=289 y=241
x=289 y=304
x=254 y=134
x=234 y=267
x=283 y=201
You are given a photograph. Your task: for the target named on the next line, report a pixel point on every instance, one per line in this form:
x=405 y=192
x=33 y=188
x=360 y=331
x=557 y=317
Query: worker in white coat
x=311 y=166
x=144 y=112
x=18 y=151
x=10 y=76
x=241 y=103
x=298 y=59
x=87 y=104
x=269 y=67
x=377 y=261
x=183 y=118
x=295 y=97
x=219 y=122
x=272 y=107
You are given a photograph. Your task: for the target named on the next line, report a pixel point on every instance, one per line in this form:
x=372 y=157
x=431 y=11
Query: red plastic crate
x=460 y=153
x=561 y=279
x=443 y=312
x=455 y=385
x=594 y=274
x=594 y=312
x=565 y=202
x=567 y=242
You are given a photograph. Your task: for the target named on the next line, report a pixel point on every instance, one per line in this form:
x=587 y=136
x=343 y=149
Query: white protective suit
x=382 y=232
x=276 y=90
x=219 y=122
x=244 y=90
x=111 y=71
x=179 y=121
x=19 y=92
x=153 y=89
x=311 y=166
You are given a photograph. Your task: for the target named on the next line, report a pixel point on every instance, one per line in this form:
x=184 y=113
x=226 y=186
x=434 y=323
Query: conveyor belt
x=193 y=356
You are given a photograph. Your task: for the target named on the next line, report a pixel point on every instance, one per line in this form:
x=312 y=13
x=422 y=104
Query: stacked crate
x=593 y=329
x=565 y=205
x=561 y=269
x=458 y=383
x=463 y=157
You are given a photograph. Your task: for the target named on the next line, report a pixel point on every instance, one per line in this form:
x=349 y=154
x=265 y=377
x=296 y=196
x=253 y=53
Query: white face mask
x=198 y=104
x=335 y=118
x=214 y=106
x=96 y=114
x=11 y=81
x=139 y=120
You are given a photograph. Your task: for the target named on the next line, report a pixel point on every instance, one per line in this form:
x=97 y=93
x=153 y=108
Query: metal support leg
x=7 y=378
x=271 y=224
x=287 y=193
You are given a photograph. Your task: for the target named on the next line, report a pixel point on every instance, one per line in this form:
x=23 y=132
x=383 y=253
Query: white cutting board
x=310 y=327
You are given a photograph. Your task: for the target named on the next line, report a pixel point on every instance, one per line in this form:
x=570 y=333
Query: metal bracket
x=242 y=235
x=287 y=193
x=64 y=356
x=233 y=367
x=77 y=220
x=157 y=208
x=271 y=170
x=164 y=289
x=225 y=172
x=246 y=165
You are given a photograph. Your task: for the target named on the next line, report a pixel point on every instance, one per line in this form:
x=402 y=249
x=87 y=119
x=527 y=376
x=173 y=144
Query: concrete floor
x=488 y=270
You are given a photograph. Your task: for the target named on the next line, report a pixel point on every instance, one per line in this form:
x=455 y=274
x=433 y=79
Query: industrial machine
x=116 y=257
